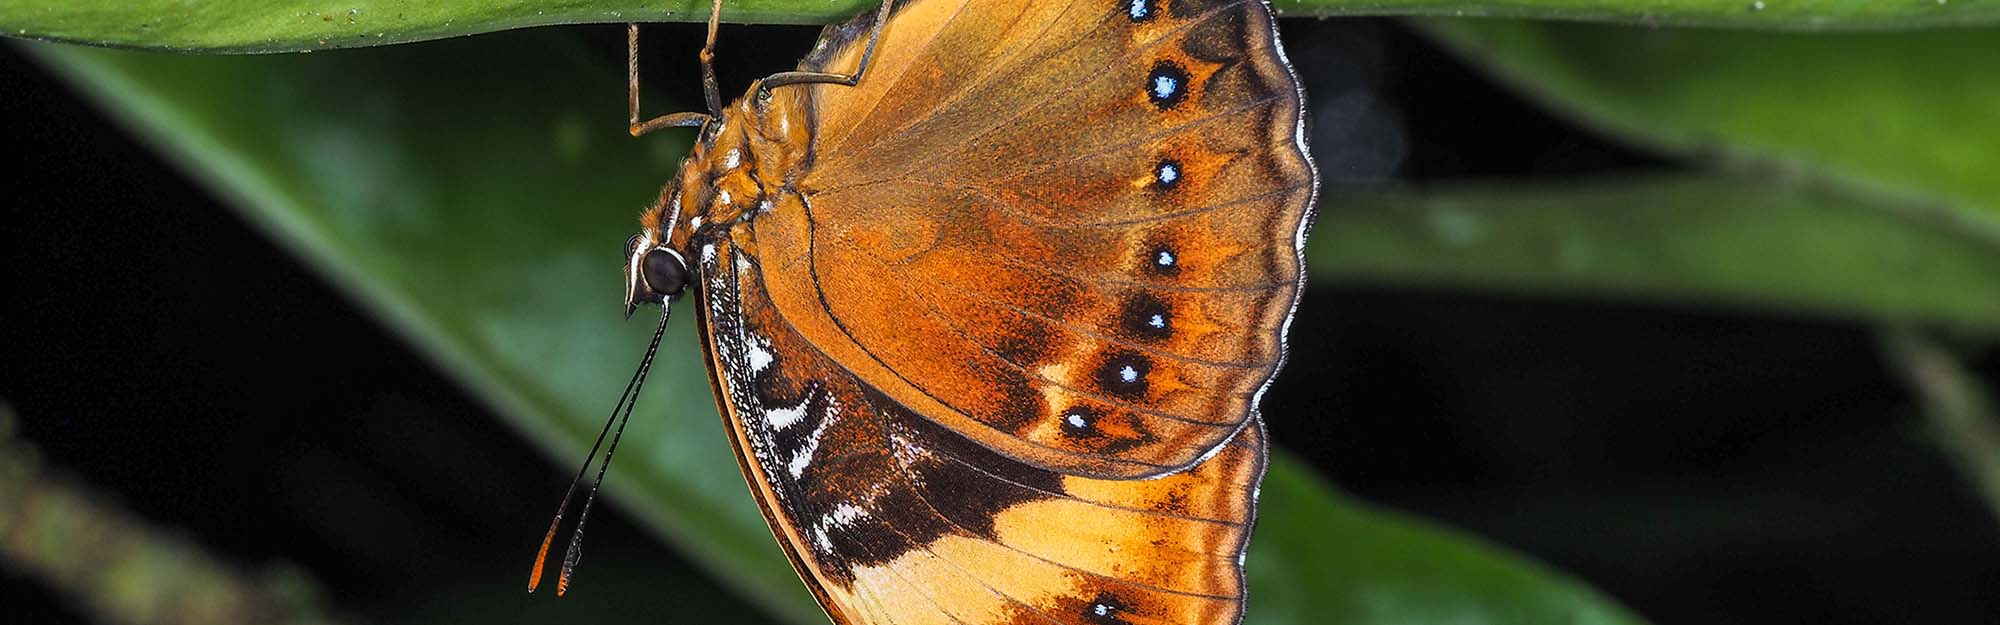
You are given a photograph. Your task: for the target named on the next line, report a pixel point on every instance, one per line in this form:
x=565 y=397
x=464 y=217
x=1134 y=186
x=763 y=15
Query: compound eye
x=665 y=274
x=631 y=245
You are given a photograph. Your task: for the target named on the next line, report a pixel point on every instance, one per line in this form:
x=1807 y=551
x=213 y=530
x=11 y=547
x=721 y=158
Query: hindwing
x=892 y=518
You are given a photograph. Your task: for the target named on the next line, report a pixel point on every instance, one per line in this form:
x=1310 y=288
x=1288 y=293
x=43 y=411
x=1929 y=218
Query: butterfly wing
x=893 y=519
x=1067 y=231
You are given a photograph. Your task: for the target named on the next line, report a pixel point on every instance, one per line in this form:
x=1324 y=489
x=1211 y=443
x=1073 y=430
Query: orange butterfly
x=989 y=316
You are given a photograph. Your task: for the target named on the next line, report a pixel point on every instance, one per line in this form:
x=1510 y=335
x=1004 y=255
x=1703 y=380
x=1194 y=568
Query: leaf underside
x=260 y=26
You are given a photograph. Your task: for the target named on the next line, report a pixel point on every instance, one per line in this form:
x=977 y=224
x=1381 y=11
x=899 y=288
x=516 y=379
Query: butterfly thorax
x=744 y=162
x=748 y=157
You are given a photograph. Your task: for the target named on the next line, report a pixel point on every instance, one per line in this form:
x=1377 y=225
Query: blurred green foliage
x=464 y=191
x=1738 y=241
x=481 y=232
x=1904 y=121
x=121 y=568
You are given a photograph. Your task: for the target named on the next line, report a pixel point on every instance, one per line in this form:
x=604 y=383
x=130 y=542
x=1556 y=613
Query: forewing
x=1068 y=231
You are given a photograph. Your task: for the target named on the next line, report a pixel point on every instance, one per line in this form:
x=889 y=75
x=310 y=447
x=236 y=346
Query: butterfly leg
x=781 y=79
x=710 y=93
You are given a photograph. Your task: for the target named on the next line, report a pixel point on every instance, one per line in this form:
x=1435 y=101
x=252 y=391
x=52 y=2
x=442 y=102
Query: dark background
x=1700 y=466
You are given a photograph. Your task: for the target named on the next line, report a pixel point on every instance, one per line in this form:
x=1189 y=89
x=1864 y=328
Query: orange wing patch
x=1067 y=231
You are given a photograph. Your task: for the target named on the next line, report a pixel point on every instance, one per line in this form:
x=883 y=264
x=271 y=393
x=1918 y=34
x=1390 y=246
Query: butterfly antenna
x=620 y=413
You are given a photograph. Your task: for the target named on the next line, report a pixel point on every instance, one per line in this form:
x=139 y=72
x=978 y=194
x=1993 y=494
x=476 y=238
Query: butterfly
x=989 y=291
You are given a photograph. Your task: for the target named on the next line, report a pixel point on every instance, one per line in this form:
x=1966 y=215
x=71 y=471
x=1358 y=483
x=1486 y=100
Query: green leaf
x=1745 y=242
x=1320 y=558
x=1903 y=121
x=305 y=25
x=475 y=197
x=475 y=193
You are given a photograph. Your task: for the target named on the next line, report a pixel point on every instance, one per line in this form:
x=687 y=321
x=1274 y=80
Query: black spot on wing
x=1167 y=84
x=1124 y=375
x=1167 y=174
x=1105 y=609
x=1161 y=259
x=1081 y=422
x=1147 y=318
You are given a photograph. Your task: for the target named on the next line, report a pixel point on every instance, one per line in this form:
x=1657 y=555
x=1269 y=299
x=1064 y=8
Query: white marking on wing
x=782 y=418
x=843 y=516
x=760 y=355
x=805 y=456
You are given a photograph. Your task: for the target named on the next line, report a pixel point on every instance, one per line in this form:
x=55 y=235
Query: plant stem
x=120 y=569
x=1958 y=411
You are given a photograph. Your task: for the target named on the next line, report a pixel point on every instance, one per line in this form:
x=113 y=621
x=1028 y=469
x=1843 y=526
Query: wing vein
x=1089 y=502
x=961 y=94
x=956 y=328
x=925 y=47
x=912 y=481
x=878 y=360
x=1087 y=77
x=1129 y=343
x=783 y=486
x=948 y=561
x=864 y=591
x=1099 y=281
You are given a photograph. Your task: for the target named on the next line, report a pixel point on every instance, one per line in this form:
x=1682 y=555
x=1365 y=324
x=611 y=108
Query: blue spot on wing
x=1140 y=10
x=1166 y=85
